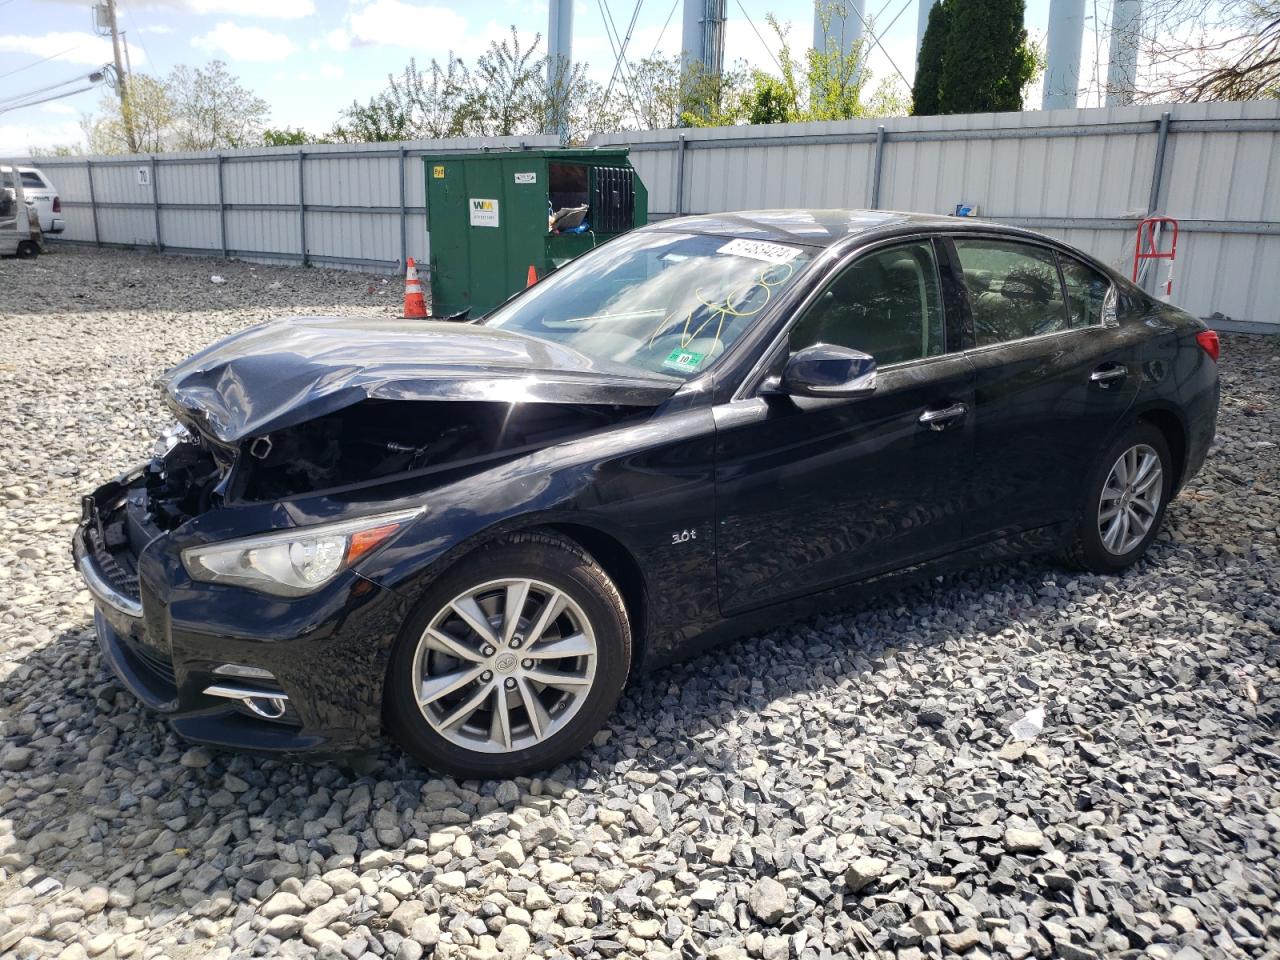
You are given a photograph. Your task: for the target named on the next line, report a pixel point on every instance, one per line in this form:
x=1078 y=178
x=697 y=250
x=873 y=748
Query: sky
x=309 y=58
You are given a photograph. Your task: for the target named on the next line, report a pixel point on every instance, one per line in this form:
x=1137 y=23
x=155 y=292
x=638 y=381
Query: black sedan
x=472 y=533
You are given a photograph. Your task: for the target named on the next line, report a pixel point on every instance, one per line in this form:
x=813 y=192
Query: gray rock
x=769 y=900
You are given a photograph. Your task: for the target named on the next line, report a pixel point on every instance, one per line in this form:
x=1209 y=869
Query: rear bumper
x=237 y=669
x=56 y=225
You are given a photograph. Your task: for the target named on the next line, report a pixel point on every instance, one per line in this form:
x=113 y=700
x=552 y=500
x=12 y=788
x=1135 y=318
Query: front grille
x=119 y=568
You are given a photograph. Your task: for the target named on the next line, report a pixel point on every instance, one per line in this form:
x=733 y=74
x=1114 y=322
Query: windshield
x=667 y=303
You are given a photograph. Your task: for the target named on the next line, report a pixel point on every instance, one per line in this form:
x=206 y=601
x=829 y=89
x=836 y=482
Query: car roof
x=823 y=228
x=819 y=228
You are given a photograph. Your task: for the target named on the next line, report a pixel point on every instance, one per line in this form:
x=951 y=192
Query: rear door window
x=1014 y=290
x=32 y=181
x=1087 y=291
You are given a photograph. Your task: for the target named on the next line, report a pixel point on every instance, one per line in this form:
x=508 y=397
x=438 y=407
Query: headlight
x=290 y=563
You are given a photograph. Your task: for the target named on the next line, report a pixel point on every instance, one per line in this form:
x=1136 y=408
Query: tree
x=151 y=110
x=830 y=83
x=428 y=104
x=925 y=101
x=836 y=71
x=770 y=100
x=987 y=62
x=201 y=108
x=506 y=88
x=212 y=110
x=652 y=97
x=289 y=137
x=1193 y=51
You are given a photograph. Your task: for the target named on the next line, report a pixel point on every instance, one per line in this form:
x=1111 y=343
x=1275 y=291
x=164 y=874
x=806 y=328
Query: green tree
x=987 y=61
x=770 y=100
x=151 y=109
x=289 y=137
x=212 y=110
x=925 y=100
x=829 y=83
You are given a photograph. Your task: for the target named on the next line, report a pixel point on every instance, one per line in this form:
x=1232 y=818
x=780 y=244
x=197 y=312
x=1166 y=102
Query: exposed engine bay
x=367 y=442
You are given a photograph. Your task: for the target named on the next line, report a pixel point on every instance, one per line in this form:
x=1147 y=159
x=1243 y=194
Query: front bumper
x=315 y=664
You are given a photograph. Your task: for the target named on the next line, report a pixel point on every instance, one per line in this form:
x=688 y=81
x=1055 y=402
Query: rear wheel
x=1125 y=503
x=511 y=661
x=28 y=250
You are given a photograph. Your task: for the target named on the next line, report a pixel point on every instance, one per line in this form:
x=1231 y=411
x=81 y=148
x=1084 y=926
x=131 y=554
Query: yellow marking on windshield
x=771 y=276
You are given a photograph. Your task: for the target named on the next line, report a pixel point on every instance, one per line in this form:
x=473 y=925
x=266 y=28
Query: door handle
x=941 y=419
x=1108 y=373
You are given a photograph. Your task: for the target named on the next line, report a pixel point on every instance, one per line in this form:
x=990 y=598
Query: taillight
x=57 y=204
x=1208 y=340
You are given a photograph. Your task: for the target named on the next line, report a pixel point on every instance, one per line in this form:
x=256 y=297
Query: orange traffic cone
x=533 y=277
x=415 y=305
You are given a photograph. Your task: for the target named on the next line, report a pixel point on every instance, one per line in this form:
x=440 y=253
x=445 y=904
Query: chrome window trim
x=986 y=347
x=751 y=383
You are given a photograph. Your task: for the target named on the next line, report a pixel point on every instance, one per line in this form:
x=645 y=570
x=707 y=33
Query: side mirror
x=825 y=370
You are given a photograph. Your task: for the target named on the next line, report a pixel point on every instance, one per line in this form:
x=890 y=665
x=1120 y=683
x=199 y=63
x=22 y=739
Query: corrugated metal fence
x=345 y=205
x=1087 y=176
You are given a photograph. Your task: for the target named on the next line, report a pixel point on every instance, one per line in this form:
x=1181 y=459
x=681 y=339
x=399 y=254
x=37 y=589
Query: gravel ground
x=847 y=786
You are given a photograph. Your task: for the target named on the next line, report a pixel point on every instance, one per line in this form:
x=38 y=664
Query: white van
x=41 y=194
x=20 y=233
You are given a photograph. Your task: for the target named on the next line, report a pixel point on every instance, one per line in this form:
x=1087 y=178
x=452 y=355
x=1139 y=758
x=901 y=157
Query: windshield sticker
x=761 y=250
x=686 y=361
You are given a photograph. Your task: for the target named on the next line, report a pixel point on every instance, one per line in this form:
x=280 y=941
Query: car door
x=1053 y=379
x=813 y=492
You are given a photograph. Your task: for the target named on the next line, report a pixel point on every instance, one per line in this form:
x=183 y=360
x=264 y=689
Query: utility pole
x=122 y=79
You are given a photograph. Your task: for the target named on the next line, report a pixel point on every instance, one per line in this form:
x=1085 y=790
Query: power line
x=6 y=108
x=37 y=62
x=876 y=40
x=663 y=32
x=622 y=55
x=767 y=49
x=52 y=86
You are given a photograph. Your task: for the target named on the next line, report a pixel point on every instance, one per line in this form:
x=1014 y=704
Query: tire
x=452 y=668
x=27 y=250
x=1107 y=549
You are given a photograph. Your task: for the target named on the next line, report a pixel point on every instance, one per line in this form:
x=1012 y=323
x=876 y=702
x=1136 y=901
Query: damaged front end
x=224 y=570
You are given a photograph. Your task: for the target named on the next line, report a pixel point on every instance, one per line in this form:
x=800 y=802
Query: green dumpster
x=492 y=216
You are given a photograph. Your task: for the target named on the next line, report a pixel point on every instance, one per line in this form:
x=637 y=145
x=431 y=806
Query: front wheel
x=511 y=661
x=1125 y=502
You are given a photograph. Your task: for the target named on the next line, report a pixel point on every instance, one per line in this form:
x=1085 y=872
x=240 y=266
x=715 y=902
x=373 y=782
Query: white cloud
x=275 y=9
x=332 y=70
x=279 y=9
x=395 y=21
x=434 y=31
x=333 y=40
x=58 y=106
x=244 y=43
x=155 y=28
x=68 y=46
x=19 y=138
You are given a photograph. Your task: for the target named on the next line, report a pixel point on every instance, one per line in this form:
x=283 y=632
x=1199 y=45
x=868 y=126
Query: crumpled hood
x=289 y=371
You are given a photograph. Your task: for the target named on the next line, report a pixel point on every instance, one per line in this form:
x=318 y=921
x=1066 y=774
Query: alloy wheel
x=1130 y=499
x=504 y=665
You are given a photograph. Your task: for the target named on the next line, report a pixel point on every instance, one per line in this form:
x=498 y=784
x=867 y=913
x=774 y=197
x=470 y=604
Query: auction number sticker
x=529 y=177
x=760 y=250
x=437 y=171
x=484 y=213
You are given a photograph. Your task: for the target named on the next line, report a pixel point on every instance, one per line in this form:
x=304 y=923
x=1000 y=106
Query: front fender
x=647 y=486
